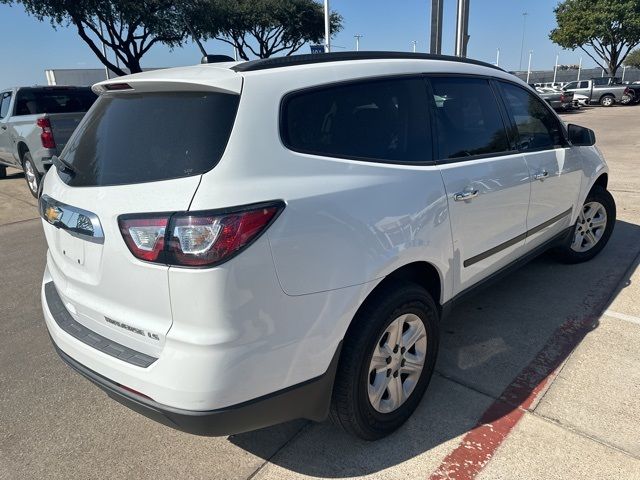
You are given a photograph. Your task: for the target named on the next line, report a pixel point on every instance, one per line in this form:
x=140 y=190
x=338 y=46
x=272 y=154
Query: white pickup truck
x=35 y=124
x=605 y=95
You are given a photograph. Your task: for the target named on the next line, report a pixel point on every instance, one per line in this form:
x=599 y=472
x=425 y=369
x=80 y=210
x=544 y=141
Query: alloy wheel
x=590 y=227
x=397 y=363
x=30 y=173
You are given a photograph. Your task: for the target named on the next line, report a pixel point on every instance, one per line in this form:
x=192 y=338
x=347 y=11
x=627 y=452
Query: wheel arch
x=422 y=273
x=601 y=181
x=22 y=149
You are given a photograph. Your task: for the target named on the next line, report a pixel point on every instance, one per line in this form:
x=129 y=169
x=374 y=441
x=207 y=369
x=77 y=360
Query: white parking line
x=623 y=316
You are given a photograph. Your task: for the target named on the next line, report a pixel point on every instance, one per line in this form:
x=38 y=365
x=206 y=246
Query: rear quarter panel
x=25 y=130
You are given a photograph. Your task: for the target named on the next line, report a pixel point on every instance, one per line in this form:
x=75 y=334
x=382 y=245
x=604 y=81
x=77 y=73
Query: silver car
x=35 y=124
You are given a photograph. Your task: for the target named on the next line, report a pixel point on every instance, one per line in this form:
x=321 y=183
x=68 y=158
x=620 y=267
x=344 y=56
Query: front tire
x=387 y=361
x=592 y=230
x=31 y=174
x=3 y=171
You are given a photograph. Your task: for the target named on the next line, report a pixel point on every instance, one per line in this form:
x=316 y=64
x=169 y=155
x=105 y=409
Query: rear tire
x=373 y=395
x=31 y=174
x=607 y=100
x=592 y=230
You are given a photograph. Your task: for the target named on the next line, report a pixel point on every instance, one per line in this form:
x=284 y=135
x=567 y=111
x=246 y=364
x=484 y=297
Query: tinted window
x=468 y=118
x=32 y=101
x=537 y=127
x=4 y=106
x=570 y=86
x=378 y=120
x=133 y=138
x=583 y=84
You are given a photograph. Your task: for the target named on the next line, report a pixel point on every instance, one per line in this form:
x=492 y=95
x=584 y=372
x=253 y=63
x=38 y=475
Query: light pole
x=435 y=45
x=327 y=30
x=579 y=69
x=524 y=25
x=555 y=69
x=462 y=28
x=357 y=36
x=497 y=57
x=529 y=67
x=414 y=43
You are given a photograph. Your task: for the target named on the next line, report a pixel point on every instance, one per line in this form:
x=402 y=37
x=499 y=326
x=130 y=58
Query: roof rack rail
x=308 y=59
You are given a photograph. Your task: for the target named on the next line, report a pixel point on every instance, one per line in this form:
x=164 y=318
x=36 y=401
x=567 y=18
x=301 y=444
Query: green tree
x=263 y=28
x=127 y=27
x=633 y=59
x=606 y=30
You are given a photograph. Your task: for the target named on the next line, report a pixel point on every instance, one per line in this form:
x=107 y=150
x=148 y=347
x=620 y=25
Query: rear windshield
x=135 y=138
x=32 y=101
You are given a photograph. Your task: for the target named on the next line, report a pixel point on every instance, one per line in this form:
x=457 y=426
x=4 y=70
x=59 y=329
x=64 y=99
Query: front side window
x=571 y=86
x=5 y=101
x=537 y=128
x=467 y=117
x=379 y=120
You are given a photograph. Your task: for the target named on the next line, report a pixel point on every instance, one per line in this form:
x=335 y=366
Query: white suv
x=235 y=245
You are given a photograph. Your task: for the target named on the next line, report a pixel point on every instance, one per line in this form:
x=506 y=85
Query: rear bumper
x=308 y=400
x=183 y=375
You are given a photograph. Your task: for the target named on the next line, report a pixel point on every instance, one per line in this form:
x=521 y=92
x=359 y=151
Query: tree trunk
x=134 y=65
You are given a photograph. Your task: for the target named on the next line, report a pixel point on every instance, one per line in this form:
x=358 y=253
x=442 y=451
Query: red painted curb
x=480 y=444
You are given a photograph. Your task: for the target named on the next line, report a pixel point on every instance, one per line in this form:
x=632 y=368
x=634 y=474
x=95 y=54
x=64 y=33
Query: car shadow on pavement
x=13 y=173
x=486 y=343
x=575 y=111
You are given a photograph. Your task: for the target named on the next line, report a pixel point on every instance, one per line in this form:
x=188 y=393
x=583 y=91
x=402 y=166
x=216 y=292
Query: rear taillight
x=145 y=236
x=196 y=239
x=46 y=136
x=563 y=98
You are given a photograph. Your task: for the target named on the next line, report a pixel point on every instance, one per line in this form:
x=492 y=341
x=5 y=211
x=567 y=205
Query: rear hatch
x=138 y=150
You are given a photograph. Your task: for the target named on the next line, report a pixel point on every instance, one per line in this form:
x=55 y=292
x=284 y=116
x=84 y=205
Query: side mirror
x=581 y=136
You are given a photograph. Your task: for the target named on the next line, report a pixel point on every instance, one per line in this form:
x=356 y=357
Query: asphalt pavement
x=538 y=376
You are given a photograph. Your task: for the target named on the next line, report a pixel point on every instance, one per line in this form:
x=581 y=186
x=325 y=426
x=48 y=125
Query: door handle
x=467 y=195
x=541 y=175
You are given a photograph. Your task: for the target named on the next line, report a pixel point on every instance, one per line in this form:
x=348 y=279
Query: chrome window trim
x=68 y=218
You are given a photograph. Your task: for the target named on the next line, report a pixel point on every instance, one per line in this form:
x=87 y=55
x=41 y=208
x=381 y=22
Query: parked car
x=558 y=99
x=632 y=95
x=235 y=245
x=605 y=95
x=35 y=124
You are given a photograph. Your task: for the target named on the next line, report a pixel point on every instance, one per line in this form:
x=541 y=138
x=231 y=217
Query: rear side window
x=30 y=101
x=5 y=101
x=468 y=118
x=135 y=138
x=378 y=120
x=537 y=127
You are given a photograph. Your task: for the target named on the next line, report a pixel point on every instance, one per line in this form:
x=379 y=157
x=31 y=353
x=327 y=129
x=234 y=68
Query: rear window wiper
x=63 y=165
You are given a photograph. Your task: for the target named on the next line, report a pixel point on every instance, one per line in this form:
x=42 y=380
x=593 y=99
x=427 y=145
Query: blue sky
x=31 y=46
